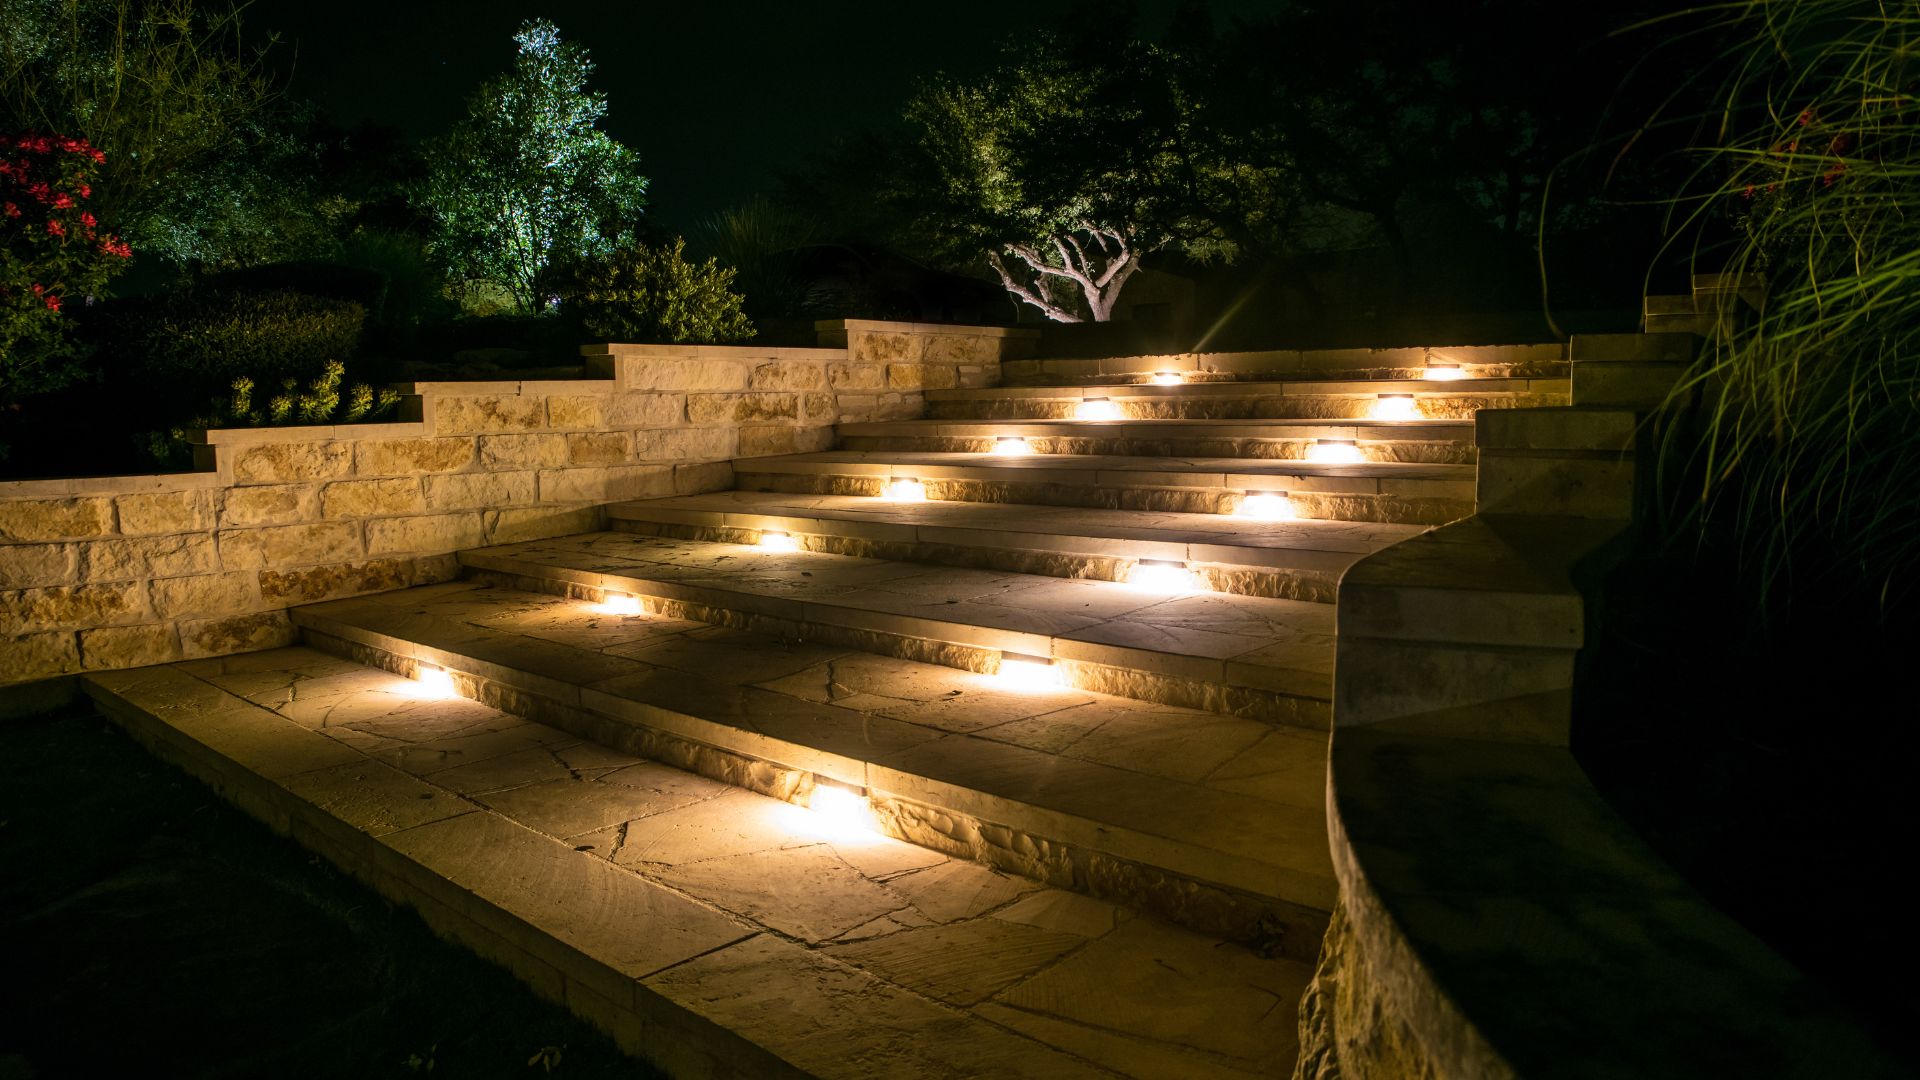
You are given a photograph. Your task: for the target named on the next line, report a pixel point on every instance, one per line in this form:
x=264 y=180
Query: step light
x=1018 y=672
x=1168 y=378
x=839 y=813
x=1445 y=372
x=1163 y=576
x=1096 y=408
x=1394 y=407
x=619 y=603
x=778 y=541
x=1267 y=506
x=1011 y=446
x=1335 y=451
x=433 y=682
x=907 y=489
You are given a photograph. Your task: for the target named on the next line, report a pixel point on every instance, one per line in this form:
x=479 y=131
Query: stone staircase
x=1061 y=653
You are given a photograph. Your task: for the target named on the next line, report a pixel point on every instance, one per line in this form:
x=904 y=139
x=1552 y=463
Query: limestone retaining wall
x=131 y=570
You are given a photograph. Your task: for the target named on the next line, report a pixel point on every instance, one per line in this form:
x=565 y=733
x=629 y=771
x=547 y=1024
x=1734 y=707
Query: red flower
x=12 y=210
x=62 y=201
x=88 y=219
x=53 y=303
x=38 y=289
x=86 y=190
x=54 y=228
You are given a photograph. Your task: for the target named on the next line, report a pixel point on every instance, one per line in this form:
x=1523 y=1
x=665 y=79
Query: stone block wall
x=125 y=571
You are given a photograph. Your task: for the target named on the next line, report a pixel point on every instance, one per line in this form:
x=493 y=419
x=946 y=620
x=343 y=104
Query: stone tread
x=1277 y=646
x=713 y=931
x=1258 y=474
x=1292 y=430
x=1225 y=800
x=1273 y=388
x=1137 y=534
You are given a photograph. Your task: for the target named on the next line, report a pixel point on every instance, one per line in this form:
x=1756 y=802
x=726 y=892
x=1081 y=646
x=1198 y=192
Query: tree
x=182 y=109
x=654 y=295
x=527 y=178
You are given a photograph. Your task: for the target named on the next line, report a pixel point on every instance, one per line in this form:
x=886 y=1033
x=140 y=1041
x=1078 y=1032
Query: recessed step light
x=1164 y=576
x=1096 y=408
x=619 y=603
x=1445 y=372
x=1020 y=672
x=778 y=541
x=1267 y=506
x=907 y=489
x=840 y=813
x=1168 y=378
x=1335 y=451
x=433 y=682
x=1011 y=446
x=1395 y=407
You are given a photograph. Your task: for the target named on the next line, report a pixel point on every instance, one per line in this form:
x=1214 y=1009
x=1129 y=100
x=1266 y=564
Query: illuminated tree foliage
x=180 y=106
x=527 y=178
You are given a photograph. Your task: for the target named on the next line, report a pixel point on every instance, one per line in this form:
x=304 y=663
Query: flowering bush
x=52 y=255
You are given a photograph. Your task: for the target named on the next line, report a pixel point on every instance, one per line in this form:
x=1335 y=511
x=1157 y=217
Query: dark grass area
x=151 y=930
x=1769 y=757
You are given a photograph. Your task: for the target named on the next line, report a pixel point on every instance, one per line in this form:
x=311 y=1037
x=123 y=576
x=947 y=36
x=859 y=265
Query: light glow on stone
x=778 y=541
x=1267 y=506
x=1156 y=575
x=1445 y=372
x=1011 y=446
x=1395 y=407
x=1168 y=378
x=840 y=814
x=1335 y=451
x=1029 y=673
x=618 y=603
x=907 y=489
x=1096 y=408
x=433 y=682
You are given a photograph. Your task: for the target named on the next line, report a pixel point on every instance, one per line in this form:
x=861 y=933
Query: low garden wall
x=132 y=570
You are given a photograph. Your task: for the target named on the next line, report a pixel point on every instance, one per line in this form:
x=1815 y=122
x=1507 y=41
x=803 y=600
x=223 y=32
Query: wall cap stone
x=882 y=326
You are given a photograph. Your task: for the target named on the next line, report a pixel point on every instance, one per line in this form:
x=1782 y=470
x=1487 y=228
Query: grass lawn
x=149 y=929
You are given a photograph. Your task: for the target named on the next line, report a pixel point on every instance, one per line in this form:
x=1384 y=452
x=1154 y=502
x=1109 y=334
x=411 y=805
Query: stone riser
x=1211 y=695
x=1385 y=509
x=1107 y=373
x=1278 y=407
x=1270 y=925
x=1290 y=584
x=1402 y=452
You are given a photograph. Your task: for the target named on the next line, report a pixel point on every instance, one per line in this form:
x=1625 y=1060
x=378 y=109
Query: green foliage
x=219 y=334
x=1810 y=440
x=198 y=168
x=52 y=256
x=526 y=178
x=762 y=241
x=653 y=295
x=413 y=283
x=318 y=401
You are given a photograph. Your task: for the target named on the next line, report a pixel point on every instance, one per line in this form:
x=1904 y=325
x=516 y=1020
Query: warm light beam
x=1097 y=408
x=1029 y=673
x=907 y=489
x=778 y=541
x=1154 y=575
x=1335 y=451
x=1395 y=407
x=1267 y=506
x=615 y=603
x=1011 y=446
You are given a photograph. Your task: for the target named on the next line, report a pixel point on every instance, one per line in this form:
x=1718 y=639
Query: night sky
x=718 y=98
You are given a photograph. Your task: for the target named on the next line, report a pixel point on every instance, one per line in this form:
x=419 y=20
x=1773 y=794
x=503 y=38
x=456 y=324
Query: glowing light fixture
x=1019 y=672
x=433 y=682
x=778 y=541
x=1168 y=378
x=1267 y=506
x=1161 y=576
x=1445 y=372
x=1395 y=407
x=840 y=813
x=1096 y=408
x=907 y=489
x=1335 y=451
x=618 y=603
x=1011 y=446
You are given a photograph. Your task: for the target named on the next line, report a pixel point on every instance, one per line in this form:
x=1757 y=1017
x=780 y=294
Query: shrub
x=220 y=334
x=52 y=256
x=653 y=295
x=318 y=402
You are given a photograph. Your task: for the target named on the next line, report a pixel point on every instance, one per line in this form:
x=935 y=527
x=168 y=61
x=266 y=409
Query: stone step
x=1424 y=441
x=1244 y=655
x=1280 y=400
x=1500 y=361
x=711 y=931
x=1389 y=492
x=1298 y=560
x=1215 y=821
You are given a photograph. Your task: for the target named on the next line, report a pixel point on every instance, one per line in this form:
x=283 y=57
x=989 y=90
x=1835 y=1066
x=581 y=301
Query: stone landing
x=711 y=930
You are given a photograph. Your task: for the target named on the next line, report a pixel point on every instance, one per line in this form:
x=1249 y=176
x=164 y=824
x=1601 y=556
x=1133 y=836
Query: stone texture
x=270 y=504
x=741 y=408
x=289 y=545
x=371 y=498
x=599 y=448
x=37 y=655
x=38 y=564
x=788 y=375
x=684 y=444
x=508 y=452
x=72 y=606
x=164 y=512
x=206 y=594
x=235 y=633
x=148 y=557
x=472 y=415
x=380 y=457
x=26 y=520
x=128 y=646
x=533 y=523
x=427 y=533
x=481 y=490
x=278 y=463
x=309 y=584
x=677 y=373
x=605 y=484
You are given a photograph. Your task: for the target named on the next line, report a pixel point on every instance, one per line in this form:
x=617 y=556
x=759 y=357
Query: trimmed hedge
x=217 y=334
